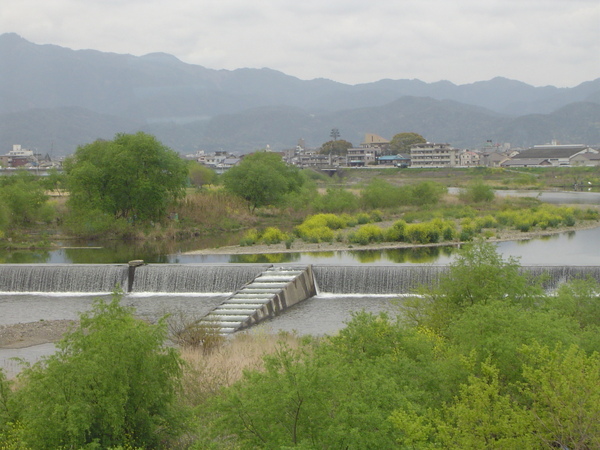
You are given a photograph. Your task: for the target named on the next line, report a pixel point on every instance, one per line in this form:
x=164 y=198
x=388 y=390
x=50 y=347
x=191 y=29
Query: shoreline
x=299 y=246
x=29 y=334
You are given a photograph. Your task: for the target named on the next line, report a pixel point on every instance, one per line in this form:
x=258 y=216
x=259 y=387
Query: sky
x=539 y=42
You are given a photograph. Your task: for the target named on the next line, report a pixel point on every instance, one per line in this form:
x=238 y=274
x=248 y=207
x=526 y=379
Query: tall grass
x=214 y=209
x=207 y=373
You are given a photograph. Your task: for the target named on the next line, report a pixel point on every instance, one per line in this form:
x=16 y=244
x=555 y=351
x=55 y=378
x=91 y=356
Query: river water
x=326 y=313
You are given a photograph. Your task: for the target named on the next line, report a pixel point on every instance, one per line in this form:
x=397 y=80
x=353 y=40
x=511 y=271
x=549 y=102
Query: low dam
x=250 y=293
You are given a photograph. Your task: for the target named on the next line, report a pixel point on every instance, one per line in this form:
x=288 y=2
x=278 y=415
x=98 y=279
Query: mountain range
x=53 y=99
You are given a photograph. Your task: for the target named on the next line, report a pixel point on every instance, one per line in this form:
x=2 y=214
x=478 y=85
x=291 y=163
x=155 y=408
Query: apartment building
x=430 y=155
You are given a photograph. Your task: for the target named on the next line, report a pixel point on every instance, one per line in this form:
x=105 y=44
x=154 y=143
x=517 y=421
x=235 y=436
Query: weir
x=62 y=277
x=267 y=296
x=260 y=291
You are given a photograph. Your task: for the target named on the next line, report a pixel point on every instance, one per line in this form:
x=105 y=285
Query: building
x=493 y=159
x=469 y=158
x=556 y=155
x=394 y=160
x=430 y=155
x=369 y=151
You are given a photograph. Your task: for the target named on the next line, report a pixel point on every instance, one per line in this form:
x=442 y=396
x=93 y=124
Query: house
x=557 y=155
x=586 y=159
x=469 y=158
x=493 y=159
x=394 y=160
x=370 y=149
x=430 y=155
x=527 y=162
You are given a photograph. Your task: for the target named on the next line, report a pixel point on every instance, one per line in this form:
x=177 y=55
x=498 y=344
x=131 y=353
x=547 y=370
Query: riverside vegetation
x=272 y=202
x=484 y=359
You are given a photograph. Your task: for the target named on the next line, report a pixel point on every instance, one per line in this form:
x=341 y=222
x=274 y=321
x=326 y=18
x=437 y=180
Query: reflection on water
x=268 y=258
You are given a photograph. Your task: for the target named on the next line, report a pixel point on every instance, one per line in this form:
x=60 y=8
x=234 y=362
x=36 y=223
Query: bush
x=336 y=201
x=477 y=192
x=366 y=234
x=111 y=383
x=427 y=193
x=251 y=237
x=396 y=233
x=273 y=235
x=363 y=218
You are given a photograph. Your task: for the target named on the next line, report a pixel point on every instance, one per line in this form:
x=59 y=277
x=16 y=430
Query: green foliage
x=23 y=201
x=382 y=194
x=427 y=193
x=336 y=147
x=262 y=179
x=366 y=234
x=273 y=235
x=477 y=192
x=200 y=175
x=497 y=329
x=578 y=299
x=336 y=200
x=133 y=177
x=402 y=142
x=250 y=237
x=339 y=392
x=478 y=275
x=112 y=382
x=397 y=232
x=563 y=387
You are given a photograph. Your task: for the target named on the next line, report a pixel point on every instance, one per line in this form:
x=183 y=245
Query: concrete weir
x=269 y=294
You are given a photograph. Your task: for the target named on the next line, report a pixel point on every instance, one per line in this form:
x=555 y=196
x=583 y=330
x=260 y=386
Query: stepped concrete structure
x=268 y=295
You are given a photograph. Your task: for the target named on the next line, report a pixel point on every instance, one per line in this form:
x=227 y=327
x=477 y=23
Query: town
x=373 y=151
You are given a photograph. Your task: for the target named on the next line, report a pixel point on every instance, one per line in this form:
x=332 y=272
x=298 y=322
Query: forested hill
x=53 y=99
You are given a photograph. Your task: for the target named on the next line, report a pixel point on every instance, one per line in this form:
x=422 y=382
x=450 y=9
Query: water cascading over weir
x=258 y=291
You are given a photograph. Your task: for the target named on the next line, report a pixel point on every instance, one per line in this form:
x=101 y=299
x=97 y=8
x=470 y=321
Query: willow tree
x=134 y=176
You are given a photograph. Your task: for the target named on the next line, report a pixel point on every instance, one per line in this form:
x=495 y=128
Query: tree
x=335 y=147
x=477 y=192
x=133 y=176
x=479 y=275
x=24 y=200
x=262 y=179
x=201 y=175
x=112 y=382
x=402 y=142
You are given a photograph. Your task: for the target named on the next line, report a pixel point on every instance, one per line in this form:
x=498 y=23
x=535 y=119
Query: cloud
x=353 y=41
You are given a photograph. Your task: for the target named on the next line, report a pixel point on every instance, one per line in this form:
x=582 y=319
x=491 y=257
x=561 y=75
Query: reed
x=206 y=373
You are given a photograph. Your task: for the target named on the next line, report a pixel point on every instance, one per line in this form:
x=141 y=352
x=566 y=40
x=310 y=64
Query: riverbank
x=299 y=246
x=23 y=335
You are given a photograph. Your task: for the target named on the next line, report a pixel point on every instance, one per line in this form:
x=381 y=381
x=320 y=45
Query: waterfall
x=374 y=279
x=62 y=277
x=553 y=276
x=404 y=279
x=189 y=278
x=194 y=277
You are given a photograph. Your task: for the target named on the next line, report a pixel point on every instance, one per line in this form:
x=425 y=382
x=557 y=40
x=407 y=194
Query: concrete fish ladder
x=269 y=294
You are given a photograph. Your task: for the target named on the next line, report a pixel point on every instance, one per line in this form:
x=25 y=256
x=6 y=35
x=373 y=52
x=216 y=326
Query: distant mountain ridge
x=56 y=98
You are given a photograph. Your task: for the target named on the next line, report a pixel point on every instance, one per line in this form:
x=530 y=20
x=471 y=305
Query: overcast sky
x=540 y=42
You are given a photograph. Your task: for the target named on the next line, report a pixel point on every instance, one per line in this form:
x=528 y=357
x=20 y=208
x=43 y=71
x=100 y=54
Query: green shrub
x=366 y=234
x=419 y=233
x=363 y=218
x=427 y=193
x=315 y=234
x=336 y=200
x=477 y=192
x=396 y=233
x=467 y=232
x=273 y=235
x=250 y=237
x=376 y=216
